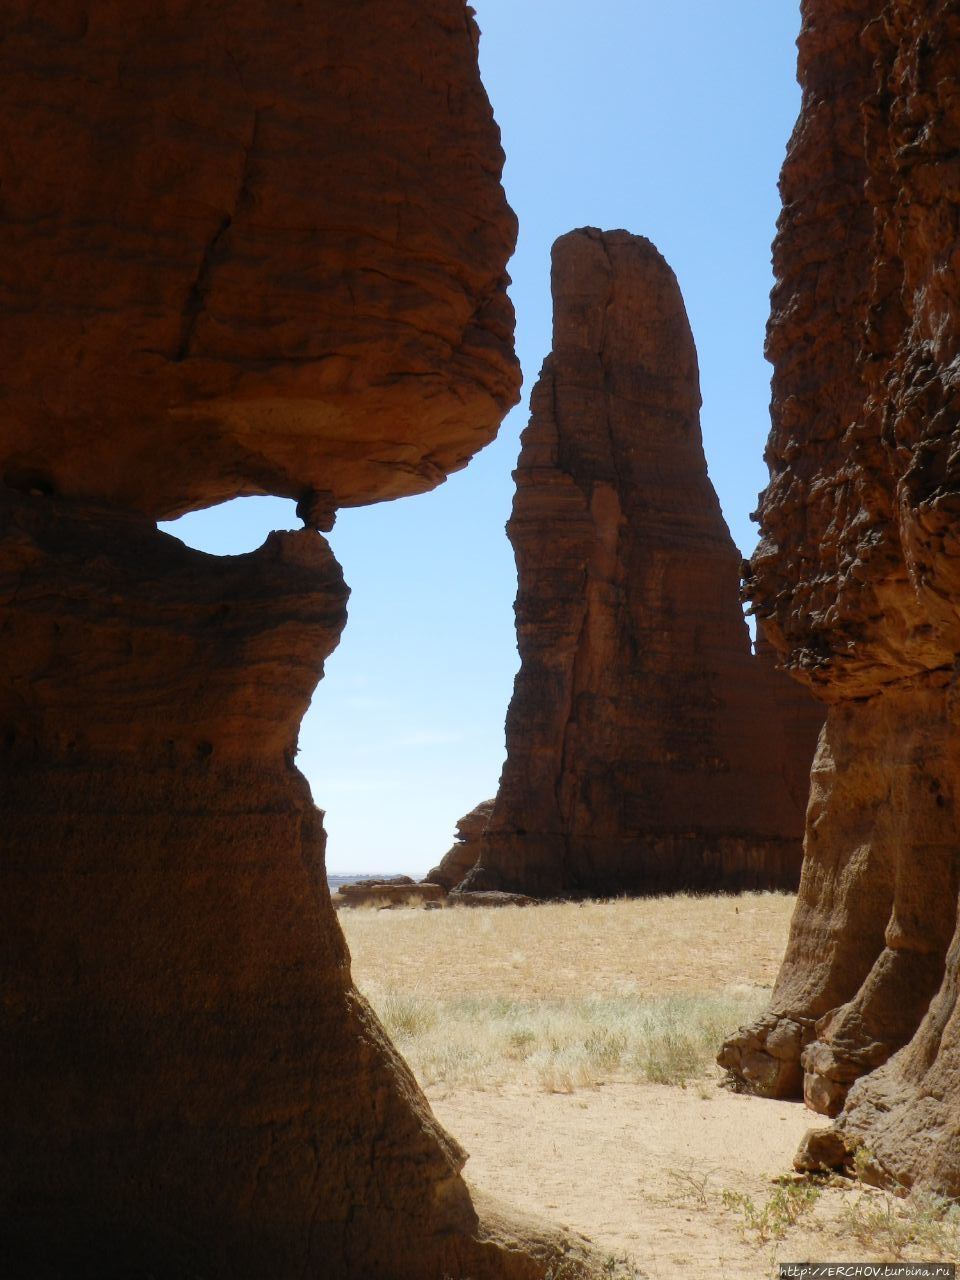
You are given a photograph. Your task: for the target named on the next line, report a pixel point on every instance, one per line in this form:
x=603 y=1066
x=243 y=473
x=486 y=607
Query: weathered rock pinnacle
x=648 y=747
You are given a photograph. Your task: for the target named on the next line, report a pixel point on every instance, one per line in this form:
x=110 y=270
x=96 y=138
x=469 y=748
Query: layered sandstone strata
x=648 y=747
x=248 y=247
x=856 y=581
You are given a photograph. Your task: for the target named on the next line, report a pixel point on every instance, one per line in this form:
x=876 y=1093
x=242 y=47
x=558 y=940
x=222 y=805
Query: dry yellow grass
x=637 y=946
x=560 y=1044
x=565 y=995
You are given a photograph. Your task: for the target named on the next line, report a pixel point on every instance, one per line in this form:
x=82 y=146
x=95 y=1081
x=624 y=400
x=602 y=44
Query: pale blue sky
x=668 y=119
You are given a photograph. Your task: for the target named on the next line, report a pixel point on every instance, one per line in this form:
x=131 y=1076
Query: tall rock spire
x=648 y=747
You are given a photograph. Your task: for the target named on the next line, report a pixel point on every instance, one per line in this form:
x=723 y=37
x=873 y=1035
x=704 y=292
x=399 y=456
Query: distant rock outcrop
x=648 y=748
x=248 y=246
x=857 y=583
x=394 y=891
x=461 y=857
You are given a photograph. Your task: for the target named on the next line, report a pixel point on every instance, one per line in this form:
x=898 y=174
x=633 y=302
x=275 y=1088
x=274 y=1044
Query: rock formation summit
x=648 y=747
x=248 y=247
x=857 y=585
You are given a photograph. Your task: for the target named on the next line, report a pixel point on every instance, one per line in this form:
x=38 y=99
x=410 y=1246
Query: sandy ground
x=640 y=1169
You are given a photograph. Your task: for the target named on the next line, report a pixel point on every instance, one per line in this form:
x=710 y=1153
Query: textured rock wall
x=647 y=747
x=856 y=582
x=247 y=247
x=273 y=238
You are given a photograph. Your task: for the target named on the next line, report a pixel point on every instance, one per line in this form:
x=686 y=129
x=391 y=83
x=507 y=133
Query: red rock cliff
x=647 y=747
x=248 y=247
x=857 y=585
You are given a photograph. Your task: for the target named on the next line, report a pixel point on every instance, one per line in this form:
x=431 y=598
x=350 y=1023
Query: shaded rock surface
x=191 y=1084
x=273 y=235
x=381 y=882
x=648 y=748
x=490 y=898
x=248 y=247
x=857 y=584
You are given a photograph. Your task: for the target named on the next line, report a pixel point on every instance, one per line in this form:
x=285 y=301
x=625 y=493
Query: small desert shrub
x=782 y=1210
x=693 y=1185
x=612 y=1267
x=407 y=1015
x=894 y=1227
x=561 y=1044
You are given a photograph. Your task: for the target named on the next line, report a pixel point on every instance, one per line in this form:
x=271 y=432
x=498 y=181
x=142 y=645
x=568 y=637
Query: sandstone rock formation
x=272 y=235
x=463 y=854
x=382 y=894
x=490 y=898
x=648 y=748
x=856 y=582
x=247 y=247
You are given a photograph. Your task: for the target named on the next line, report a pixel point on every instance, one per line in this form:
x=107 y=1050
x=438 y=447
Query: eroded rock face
x=868 y=940
x=463 y=854
x=856 y=583
x=249 y=247
x=647 y=747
